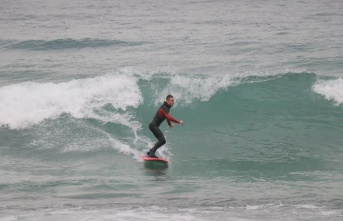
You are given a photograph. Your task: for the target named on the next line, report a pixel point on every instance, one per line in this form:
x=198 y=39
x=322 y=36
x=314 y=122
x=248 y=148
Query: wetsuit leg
x=159 y=135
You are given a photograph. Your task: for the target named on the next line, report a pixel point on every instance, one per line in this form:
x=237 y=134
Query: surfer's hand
x=171 y=126
x=181 y=122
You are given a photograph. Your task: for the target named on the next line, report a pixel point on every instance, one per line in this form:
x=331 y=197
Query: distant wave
x=60 y=44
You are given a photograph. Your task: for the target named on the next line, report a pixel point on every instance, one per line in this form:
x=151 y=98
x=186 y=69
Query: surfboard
x=146 y=158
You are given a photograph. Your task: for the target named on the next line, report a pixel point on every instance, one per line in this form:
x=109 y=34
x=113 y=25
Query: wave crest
x=330 y=89
x=30 y=103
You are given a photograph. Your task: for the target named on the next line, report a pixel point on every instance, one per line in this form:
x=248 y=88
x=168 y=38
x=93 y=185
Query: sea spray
x=29 y=103
x=331 y=89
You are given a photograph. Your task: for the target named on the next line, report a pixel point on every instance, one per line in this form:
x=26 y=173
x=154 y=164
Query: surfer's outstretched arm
x=170 y=118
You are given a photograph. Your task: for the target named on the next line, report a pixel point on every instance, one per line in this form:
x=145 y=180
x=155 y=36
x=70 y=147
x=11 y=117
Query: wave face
x=62 y=44
x=278 y=117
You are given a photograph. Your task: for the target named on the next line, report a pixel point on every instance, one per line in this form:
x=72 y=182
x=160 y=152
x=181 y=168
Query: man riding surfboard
x=162 y=114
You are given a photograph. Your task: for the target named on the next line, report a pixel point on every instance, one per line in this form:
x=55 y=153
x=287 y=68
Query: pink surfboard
x=146 y=158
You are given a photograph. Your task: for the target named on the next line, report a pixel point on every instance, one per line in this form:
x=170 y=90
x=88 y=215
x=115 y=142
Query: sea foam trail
x=330 y=89
x=29 y=103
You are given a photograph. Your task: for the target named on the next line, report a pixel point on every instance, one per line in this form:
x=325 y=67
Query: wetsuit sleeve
x=168 y=117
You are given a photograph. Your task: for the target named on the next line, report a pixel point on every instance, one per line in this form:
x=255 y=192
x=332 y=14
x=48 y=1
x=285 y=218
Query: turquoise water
x=259 y=88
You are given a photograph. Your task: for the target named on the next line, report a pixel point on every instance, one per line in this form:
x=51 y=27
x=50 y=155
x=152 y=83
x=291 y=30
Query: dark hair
x=169 y=96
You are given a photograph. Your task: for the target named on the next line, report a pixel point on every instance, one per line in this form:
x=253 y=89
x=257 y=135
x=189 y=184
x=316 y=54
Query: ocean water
x=259 y=85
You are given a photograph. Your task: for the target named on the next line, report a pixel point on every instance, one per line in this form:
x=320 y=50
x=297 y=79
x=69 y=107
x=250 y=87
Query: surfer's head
x=170 y=100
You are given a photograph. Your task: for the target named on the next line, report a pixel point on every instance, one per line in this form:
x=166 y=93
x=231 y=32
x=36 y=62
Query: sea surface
x=259 y=85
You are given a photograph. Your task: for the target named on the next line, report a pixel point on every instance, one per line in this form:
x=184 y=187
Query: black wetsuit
x=160 y=116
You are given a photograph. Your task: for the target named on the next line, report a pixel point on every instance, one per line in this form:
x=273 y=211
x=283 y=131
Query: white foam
x=125 y=215
x=124 y=148
x=330 y=89
x=253 y=207
x=186 y=89
x=29 y=103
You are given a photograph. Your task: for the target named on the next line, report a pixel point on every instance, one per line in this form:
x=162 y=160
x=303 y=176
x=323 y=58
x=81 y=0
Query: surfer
x=162 y=114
